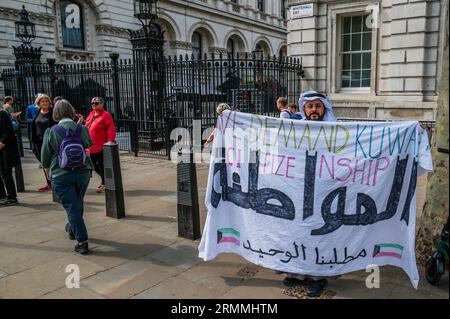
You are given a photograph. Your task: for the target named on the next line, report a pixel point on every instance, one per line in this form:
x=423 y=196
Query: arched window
x=259 y=53
x=197 y=44
x=72 y=24
x=231 y=47
x=283 y=52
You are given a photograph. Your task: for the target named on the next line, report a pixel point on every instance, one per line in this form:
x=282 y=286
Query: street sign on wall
x=302 y=11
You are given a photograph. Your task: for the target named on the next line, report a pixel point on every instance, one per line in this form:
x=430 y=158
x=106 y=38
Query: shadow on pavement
x=147 y=192
x=150 y=218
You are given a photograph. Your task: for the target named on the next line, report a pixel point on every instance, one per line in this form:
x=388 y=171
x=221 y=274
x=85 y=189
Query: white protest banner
x=314 y=198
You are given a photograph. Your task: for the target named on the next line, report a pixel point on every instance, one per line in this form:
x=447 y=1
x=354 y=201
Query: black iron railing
x=143 y=98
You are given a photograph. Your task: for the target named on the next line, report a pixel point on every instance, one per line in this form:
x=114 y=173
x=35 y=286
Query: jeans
x=7 y=181
x=70 y=189
x=97 y=160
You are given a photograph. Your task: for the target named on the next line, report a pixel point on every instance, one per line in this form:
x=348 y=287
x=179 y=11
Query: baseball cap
x=97 y=99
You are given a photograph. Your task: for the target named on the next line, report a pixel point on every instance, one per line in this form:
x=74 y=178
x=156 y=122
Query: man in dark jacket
x=9 y=158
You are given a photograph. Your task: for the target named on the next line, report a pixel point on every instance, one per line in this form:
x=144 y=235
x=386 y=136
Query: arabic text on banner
x=314 y=198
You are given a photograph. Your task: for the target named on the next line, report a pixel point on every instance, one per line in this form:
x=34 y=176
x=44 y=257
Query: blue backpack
x=15 y=123
x=296 y=116
x=72 y=155
x=293 y=116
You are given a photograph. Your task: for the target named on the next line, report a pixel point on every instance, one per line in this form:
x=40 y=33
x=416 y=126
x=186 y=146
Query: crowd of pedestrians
x=68 y=149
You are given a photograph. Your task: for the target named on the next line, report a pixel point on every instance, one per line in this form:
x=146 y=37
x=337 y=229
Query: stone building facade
x=89 y=30
x=375 y=58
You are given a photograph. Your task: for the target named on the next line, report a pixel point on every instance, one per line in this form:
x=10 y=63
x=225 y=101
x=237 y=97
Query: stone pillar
x=306 y=41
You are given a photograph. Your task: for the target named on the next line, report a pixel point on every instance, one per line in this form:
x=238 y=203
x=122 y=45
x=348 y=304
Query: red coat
x=102 y=129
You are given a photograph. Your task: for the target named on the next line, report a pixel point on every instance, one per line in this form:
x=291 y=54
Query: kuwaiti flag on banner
x=390 y=250
x=314 y=198
x=228 y=235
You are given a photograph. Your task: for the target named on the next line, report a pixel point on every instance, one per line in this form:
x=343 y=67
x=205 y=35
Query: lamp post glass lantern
x=145 y=9
x=25 y=29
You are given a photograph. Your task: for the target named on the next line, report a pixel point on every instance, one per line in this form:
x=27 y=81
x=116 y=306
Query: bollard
x=20 y=142
x=115 y=205
x=187 y=201
x=20 y=183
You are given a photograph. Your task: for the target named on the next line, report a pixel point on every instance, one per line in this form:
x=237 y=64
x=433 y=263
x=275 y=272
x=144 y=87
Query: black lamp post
x=146 y=12
x=26 y=32
x=25 y=29
x=27 y=60
x=147 y=44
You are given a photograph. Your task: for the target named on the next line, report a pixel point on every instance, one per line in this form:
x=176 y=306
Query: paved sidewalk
x=141 y=256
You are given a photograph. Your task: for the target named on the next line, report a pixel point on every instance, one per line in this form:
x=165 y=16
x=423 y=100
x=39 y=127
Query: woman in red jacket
x=102 y=130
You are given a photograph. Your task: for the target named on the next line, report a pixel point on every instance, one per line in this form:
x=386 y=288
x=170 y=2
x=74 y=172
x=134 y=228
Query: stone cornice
x=104 y=29
x=37 y=18
x=180 y=45
x=218 y=50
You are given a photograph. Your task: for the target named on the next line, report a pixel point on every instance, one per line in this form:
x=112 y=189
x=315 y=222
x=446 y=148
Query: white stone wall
x=107 y=22
x=406 y=56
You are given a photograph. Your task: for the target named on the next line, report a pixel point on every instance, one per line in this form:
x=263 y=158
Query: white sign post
x=302 y=11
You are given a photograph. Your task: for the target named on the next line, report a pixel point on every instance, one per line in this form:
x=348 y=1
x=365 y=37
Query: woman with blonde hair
x=41 y=122
x=219 y=109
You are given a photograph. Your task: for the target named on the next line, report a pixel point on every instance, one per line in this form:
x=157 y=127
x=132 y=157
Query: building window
x=197 y=49
x=72 y=25
x=356 y=48
x=283 y=8
x=260 y=5
x=259 y=53
x=231 y=47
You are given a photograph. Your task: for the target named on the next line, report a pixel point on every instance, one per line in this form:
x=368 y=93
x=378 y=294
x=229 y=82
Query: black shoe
x=315 y=288
x=82 y=248
x=69 y=231
x=291 y=282
x=8 y=202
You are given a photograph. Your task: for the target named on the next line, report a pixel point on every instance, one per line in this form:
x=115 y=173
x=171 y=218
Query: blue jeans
x=70 y=189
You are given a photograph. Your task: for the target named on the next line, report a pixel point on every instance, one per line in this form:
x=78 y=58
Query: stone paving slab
x=175 y=288
x=128 y=279
x=21 y=257
x=167 y=231
x=3 y=274
x=182 y=254
x=74 y=293
x=44 y=278
x=220 y=276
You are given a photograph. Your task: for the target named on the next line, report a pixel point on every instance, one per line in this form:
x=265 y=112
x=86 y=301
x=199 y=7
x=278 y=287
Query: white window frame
x=86 y=34
x=334 y=71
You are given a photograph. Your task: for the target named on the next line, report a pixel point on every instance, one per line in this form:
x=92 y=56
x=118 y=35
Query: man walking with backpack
x=64 y=158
